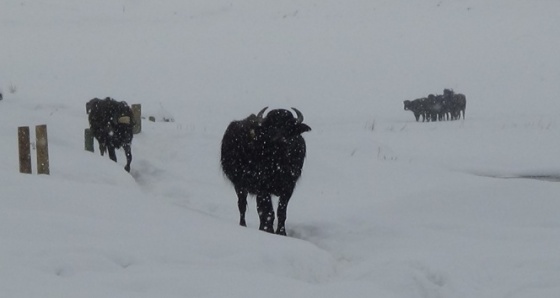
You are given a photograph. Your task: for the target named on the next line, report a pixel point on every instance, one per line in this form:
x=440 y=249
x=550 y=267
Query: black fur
x=459 y=106
x=417 y=107
x=111 y=123
x=264 y=157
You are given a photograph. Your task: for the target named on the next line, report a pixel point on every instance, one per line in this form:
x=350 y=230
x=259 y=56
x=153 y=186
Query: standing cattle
x=264 y=157
x=111 y=123
x=457 y=103
x=448 y=106
x=417 y=107
x=460 y=104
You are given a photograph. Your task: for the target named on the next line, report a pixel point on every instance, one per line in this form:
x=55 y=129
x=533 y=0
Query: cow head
x=281 y=124
x=407 y=105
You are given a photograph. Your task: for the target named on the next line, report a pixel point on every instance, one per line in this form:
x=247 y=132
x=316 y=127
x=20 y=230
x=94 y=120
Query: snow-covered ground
x=386 y=206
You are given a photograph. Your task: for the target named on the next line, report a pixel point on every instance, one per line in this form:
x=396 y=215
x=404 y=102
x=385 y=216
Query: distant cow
x=111 y=123
x=459 y=105
x=264 y=157
x=437 y=108
x=416 y=107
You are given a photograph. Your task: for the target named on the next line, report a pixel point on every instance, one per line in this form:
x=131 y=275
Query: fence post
x=137 y=113
x=24 y=150
x=42 y=149
x=88 y=137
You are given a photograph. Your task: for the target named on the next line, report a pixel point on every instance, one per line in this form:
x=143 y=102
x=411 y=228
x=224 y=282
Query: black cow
x=264 y=157
x=460 y=104
x=417 y=107
x=111 y=123
x=457 y=103
x=437 y=107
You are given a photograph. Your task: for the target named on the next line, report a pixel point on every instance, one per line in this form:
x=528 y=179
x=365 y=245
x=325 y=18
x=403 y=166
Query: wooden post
x=24 y=150
x=42 y=150
x=88 y=136
x=137 y=113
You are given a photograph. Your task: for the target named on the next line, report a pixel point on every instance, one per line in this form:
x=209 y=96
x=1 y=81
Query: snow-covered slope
x=386 y=207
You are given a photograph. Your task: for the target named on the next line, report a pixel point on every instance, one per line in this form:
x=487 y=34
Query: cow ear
x=302 y=127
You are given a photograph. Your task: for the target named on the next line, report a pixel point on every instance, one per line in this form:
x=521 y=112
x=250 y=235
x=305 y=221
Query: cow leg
x=242 y=204
x=112 y=155
x=282 y=209
x=266 y=213
x=128 y=154
x=102 y=148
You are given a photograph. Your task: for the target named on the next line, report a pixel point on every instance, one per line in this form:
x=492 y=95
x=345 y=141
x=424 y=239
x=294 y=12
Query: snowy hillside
x=386 y=206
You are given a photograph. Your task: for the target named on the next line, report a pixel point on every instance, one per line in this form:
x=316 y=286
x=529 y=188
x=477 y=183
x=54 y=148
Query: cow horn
x=299 y=115
x=260 y=114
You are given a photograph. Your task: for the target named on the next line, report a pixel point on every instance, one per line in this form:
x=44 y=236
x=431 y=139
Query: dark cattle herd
x=449 y=106
x=260 y=155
